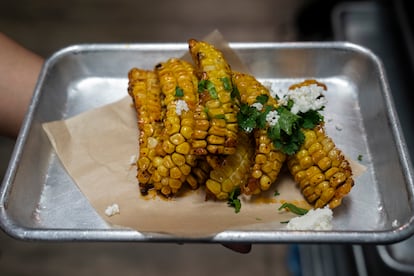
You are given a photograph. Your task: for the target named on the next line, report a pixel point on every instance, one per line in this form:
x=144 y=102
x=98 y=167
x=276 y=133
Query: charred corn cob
x=145 y=91
x=179 y=87
x=319 y=167
x=268 y=160
x=216 y=117
x=234 y=171
x=321 y=170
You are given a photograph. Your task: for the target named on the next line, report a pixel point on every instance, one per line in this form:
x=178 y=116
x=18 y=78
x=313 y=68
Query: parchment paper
x=97 y=147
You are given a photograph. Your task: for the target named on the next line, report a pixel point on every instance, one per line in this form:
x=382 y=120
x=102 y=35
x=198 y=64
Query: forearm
x=19 y=70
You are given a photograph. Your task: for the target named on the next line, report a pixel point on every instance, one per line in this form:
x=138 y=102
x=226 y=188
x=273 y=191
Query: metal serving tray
x=38 y=199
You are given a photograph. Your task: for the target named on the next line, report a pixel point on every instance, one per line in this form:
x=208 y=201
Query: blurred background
x=46 y=26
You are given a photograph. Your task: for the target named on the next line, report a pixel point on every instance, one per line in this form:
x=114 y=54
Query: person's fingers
x=243 y=248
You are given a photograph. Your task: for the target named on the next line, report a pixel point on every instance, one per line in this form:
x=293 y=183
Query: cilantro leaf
x=235 y=93
x=247 y=117
x=293 y=208
x=179 y=92
x=287 y=120
x=311 y=119
x=226 y=84
x=211 y=89
x=204 y=85
x=262 y=98
x=290 y=144
x=233 y=200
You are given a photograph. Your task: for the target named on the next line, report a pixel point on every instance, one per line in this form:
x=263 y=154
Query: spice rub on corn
x=216 y=125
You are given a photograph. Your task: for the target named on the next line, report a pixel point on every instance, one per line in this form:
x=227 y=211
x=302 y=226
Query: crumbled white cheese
x=315 y=219
x=272 y=117
x=180 y=106
x=258 y=106
x=112 y=210
x=133 y=160
x=277 y=93
x=395 y=223
x=307 y=98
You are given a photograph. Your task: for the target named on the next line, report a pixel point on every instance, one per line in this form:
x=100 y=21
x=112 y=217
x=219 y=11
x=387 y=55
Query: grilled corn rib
x=268 y=160
x=216 y=117
x=144 y=88
x=234 y=171
x=323 y=173
x=179 y=87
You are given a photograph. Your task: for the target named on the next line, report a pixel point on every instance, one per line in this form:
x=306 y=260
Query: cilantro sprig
x=293 y=208
x=179 y=92
x=234 y=201
x=286 y=134
x=204 y=85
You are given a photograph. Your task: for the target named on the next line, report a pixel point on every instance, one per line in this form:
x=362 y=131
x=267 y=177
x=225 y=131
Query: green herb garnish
x=235 y=94
x=276 y=193
x=226 y=84
x=247 y=117
x=233 y=200
x=179 y=92
x=220 y=116
x=360 y=157
x=204 y=85
x=293 y=208
x=311 y=119
x=262 y=99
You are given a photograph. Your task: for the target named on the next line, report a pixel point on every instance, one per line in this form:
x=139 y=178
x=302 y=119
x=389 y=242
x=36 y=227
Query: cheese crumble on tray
x=314 y=219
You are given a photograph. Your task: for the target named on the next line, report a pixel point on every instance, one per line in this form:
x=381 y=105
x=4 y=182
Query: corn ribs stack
x=267 y=159
x=323 y=173
x=216 y=125
x=191 y=134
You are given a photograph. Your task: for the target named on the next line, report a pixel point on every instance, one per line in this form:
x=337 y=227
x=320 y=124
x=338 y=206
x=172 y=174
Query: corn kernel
x=168 y=147
x=144 y=163
x=215 y=140
x=316 y=179
x=213 y=186
x=267 y=167
x=175 y=173
x=201 y=124
x=306 y=162
x=163 y=171
x=324 y=163
x=183 y=148
x=217 y=131
x=199 y=134
x=178 y=159
x=185 y=169
x=177 y=139
x=227 y=186
x=167 y=162
x=265 y=182
x=186 y=132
